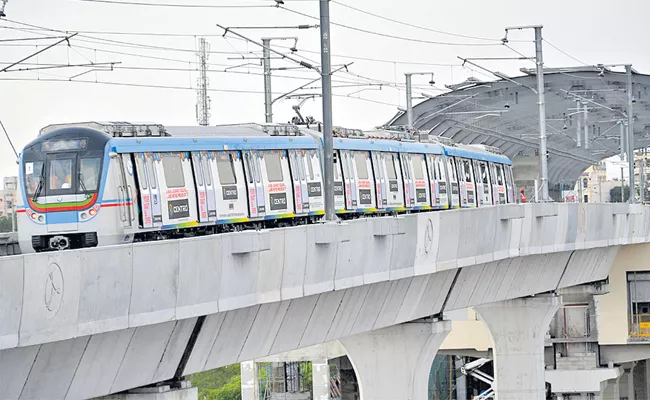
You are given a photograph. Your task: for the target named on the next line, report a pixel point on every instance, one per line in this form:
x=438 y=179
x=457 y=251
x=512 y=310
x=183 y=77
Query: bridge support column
x=394 y=363
x=518 y=328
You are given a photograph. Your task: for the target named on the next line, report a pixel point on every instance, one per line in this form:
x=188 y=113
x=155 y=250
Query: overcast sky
x=591 y=32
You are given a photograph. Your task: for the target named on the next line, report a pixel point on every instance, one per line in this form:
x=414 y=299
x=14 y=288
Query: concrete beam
x=394 y=363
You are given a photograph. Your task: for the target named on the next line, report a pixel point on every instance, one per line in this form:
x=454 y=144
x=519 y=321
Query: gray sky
x=590 y=31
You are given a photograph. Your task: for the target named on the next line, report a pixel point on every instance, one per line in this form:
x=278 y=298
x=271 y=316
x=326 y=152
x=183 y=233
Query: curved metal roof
x=504 y=114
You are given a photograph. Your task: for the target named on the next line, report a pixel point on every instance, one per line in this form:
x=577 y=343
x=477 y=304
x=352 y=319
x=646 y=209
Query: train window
x=197 y=170
x=500 y=175
x=405 y=169
x=208 y=173
x=258 y=171
x=390 y=167
x=61 y=174
x=309 y=166
x=33 y=171
x=226 y=169
x=250 y=169
x=152 y=172
x=173 y=168
x=452 y=170
x=468 y=171
x=89 y=174
x=273 y=167
x=484 y=173
x=292 y=166
x=362 y=166
x=337 y=171
x=143 y=178
x=301 y=166
x=417 y=167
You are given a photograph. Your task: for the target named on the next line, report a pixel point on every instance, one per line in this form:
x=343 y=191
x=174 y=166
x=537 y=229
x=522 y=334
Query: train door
x=349 y=181
x=443 y=182
x=277 y=181
x=256 y=201
x=339 y=185
x=483 y=183
x=177 y=188
x=380 y=179
x=395 y=193
x=201 y=186
x=296 y=181
x=125 y=181
x=509 y=181
x=229 y=185
x=421 y=180
x=407 y=175
x=468 y=182
x=60 y=192
x=364 y=179
x=314 y=180
x=156 y=200
x=498 y=184
x=208 y=175
x=454 y=184
x=146 y=208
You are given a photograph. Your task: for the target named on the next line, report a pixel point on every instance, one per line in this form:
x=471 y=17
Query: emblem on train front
x=53 y=295
x=428 y=237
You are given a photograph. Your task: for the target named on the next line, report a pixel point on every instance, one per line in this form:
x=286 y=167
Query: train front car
x=62 y=176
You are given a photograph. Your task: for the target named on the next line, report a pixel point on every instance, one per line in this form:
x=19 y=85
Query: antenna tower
x=203 y=101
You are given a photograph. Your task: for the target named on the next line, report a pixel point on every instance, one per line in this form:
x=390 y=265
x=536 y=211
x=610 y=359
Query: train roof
x=479 y=154
x=171 y=144
x=387 y=146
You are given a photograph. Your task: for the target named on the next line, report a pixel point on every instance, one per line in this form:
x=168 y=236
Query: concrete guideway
x=87 y=323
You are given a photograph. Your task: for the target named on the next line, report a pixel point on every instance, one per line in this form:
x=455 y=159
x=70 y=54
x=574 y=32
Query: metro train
x=97 y=184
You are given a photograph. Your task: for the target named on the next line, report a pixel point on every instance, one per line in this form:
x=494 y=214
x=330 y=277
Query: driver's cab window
x=33 y=173
x=60 y=174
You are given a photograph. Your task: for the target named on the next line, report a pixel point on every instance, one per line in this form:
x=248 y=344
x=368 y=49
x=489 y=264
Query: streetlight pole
x=328 y=141
x=542 y=111
x=268 y=107
x=630 y=130
x=409 y=95
x=539 y=61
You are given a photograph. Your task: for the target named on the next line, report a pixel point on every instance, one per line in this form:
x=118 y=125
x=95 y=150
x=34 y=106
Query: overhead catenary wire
x=412 y=25
x=171 y=87
x=386 y=35
x=177 y=5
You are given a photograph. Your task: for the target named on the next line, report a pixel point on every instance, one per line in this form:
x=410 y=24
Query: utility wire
x=8 y=138
x=391 y=36
x=565 y=53
x=411 y=25
x=172 y=87
x=177 y=5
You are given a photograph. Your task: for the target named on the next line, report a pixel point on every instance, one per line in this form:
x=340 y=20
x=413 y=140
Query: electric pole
x=326 y=76
x=409 y=95
x=630 y=129
x=268 y=105
x=203 y=101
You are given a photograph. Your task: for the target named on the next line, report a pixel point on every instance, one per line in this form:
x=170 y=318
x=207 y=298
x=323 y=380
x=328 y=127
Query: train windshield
x=67 y=162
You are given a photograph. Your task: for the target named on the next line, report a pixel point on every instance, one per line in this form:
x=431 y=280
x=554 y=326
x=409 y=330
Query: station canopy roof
x=504 y=114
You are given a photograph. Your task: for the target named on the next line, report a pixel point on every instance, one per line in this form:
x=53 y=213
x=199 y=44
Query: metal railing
x=640 y=325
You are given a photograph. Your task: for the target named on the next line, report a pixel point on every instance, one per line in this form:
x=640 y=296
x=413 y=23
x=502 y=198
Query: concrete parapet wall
x=54 y=296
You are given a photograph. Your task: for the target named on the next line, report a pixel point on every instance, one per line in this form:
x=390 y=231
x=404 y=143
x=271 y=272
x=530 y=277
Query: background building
x=8 y=196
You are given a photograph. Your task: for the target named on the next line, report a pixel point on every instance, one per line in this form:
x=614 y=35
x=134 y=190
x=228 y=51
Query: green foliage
x=218 y=384
x=615 y=194
x=5 y=224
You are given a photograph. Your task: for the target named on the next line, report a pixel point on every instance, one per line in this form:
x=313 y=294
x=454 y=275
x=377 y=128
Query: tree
x=218 y=384
x=5 y=224
x=615 y=194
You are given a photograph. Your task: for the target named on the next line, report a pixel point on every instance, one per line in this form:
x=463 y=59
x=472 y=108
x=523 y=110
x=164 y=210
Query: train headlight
x=84 y=215
x=41 y=218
